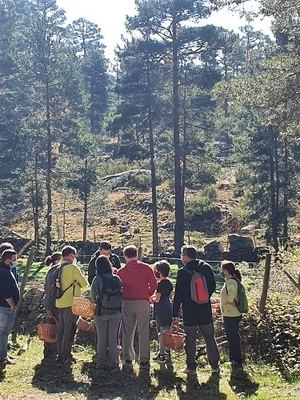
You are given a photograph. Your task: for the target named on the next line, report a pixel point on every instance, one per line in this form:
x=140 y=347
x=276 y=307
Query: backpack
x=241 y=300
x=49 y=287
x=54 y=281
x=110 y=301
x=198 y=286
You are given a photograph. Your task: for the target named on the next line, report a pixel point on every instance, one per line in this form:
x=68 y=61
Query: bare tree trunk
x=35 y=203
x=155 y=245
x=274 y=207
x=85 y=207
x=285 y=190
x=179 y=207
x=49 y=171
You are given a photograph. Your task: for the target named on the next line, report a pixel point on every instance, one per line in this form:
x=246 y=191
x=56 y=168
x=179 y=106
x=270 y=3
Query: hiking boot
x=160 y=358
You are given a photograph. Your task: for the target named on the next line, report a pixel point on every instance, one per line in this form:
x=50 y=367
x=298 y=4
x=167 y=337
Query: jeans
x=7 y=318
x=208 y=334
x=162 y=347
x=232 y=327
x=107 y=332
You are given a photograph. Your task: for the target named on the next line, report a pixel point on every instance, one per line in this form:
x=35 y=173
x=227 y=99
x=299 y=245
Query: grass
x=31 y=379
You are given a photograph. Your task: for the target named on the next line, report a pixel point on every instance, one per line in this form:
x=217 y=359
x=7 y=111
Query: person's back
x=196 y=317
x=193 y=313
x=138 y=280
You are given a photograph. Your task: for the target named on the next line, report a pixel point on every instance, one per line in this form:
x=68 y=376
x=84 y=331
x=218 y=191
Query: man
x=195 y=316
x=139 y=283
x=71 y=282
x=9 y=298
x=9 y=246
x=104 y=250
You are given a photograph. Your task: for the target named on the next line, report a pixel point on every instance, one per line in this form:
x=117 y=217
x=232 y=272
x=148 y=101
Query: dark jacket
x=114 y=259
x=193 y=313
x=8 y=286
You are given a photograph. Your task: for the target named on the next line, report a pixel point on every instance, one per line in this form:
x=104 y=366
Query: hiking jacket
x=70 y=275
x=8 y=286
x=193 y=313
x=228 y=294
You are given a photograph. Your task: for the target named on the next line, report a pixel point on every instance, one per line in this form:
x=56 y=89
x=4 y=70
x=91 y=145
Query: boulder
x=240 y=243
x=213 y=247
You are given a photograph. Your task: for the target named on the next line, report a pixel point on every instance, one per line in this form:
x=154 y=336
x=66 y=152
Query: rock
x=238 y=242
x=123 y=228
x=213 y=247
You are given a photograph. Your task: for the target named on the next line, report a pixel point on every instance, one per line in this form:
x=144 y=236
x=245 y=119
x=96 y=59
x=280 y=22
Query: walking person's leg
x=190 y=346
x=129 y=326
x=232 y=325
x=143 y=325
x=112 y=341
x=212 y=350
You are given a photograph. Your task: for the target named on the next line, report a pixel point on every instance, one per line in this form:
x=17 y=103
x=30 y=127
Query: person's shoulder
x=121 y=270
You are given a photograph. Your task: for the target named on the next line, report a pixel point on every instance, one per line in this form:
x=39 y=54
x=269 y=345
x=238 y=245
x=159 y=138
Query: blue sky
x=110 y=16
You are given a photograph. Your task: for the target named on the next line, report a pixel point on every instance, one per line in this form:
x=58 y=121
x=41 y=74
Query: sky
x=110 y=15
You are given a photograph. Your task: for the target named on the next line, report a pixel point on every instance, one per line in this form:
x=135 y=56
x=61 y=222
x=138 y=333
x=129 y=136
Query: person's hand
x=175 y=320
x=13 y=308
x=49 y=313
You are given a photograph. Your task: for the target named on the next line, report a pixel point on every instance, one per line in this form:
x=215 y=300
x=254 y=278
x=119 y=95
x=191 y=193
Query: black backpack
x=110 y=301
x=58 y=292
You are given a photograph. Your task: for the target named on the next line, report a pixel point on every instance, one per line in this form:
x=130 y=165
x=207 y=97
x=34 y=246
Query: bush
x=210 y=192
x=275 y=336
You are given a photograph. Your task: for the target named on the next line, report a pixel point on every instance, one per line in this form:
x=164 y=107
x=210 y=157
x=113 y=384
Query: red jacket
x=138 y=281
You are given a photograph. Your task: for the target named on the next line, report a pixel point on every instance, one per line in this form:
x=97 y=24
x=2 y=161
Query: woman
x=53 y=261
x=231 y=314
x=106 y=291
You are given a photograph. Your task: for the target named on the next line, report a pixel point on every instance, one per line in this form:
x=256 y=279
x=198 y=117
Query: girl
x=231 y=314
x=106 y=291
x=53 y=261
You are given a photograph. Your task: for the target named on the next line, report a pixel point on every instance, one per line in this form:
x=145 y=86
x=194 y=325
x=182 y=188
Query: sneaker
x=189 y=370
x=145 y=364
x=160 y=358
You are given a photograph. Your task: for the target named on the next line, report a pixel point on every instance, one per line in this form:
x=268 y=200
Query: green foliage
x=210 y=192
x=275 y=336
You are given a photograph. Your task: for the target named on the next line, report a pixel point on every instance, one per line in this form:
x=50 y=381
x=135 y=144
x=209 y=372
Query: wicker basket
x=47 y=330
x=174 y=338
x=85 y=325
x=83 y=307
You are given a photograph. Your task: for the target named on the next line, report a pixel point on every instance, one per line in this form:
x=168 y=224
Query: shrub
x=210 y=192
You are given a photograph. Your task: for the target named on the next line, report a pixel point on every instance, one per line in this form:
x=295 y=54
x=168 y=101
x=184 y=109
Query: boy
x=162 y=307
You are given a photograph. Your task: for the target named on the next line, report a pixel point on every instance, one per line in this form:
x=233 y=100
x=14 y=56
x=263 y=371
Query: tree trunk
x=85 y=207
x=285 y=190
x=274 y=208
x=35 y=203
x=155 y=245
x=49 y=171
x=179 y=207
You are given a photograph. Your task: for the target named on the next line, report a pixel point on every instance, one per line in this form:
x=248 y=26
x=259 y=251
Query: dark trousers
x=208 y=334
x=66 y=331
x=232 y=327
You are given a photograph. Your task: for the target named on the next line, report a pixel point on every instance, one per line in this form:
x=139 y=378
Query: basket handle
x=176 y=328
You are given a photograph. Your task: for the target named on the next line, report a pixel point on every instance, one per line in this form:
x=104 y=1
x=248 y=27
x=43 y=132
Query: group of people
x=124 y=297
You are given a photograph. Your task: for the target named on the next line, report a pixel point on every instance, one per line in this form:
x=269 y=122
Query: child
x=162 y=307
